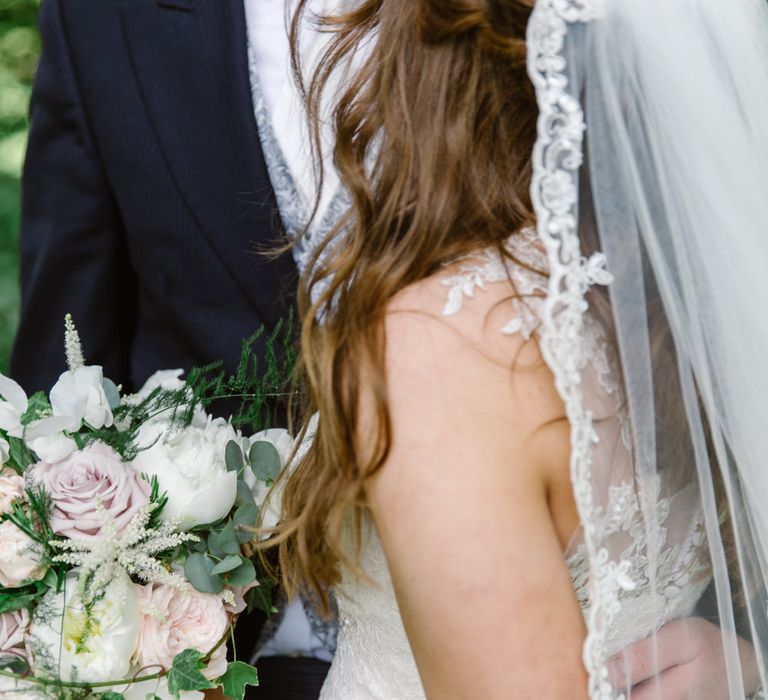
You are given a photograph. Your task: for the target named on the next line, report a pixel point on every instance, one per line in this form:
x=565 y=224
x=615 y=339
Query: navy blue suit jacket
x=145 y=195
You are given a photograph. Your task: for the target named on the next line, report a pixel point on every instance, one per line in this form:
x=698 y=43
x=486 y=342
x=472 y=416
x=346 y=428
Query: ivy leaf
x=233 y=456
x=185 y=673
x=111 y=696
x=238 y=676
x=260 y=597
x=265 y=460
x=199 y=571
x=244 y=574
x=227 y=564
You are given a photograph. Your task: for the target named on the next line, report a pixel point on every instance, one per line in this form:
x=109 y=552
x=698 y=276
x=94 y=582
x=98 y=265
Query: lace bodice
x=373 y=659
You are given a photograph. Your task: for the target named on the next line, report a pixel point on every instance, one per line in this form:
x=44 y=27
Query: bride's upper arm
x=461 y=505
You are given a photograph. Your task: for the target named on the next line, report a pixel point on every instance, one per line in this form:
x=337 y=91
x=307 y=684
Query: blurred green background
x=19 y=50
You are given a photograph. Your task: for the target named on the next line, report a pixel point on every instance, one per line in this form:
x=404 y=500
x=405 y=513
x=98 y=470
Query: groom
x=146 y=199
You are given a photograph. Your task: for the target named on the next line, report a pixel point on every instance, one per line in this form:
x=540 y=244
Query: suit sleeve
x=73 y=244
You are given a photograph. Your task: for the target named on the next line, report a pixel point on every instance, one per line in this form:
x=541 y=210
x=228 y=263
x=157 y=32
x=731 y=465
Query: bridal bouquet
x=125 y=524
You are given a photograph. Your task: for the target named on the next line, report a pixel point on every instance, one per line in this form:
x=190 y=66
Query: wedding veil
x=651 y=166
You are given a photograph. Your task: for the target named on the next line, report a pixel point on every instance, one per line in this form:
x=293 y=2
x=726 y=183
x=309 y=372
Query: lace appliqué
x=556 y=159
x=525 y=270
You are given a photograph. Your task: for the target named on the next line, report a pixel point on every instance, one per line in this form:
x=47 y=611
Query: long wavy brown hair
x=434 y=132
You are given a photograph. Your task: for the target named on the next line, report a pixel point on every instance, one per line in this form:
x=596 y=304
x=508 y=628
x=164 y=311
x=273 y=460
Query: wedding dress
x=373 y=659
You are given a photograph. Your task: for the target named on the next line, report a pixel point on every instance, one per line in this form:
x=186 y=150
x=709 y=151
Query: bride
x=536 y=347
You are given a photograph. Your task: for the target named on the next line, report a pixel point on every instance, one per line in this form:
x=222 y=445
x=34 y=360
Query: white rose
x=13 y=406
x=190 y=467
x=11 y=489
x=93 y=653
x=80 y=395
x=5 y=451
x=270 y=503
x=20 y=557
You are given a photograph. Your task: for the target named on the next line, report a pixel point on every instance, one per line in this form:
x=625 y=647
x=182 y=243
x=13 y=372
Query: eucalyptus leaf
x=244 y=494
x=227 y=564
x=199 y=571
x=237 y=677
x=227 y=539
x=233 y=456
x=185 y=674
x=213 y=545
x=245 y=519
x=265 y=460
x=111 y=392
x=243 y=574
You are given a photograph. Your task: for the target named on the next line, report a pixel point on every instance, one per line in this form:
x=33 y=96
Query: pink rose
x=89 y=478
x=20 y=557
x=13 y=630
x=11 y=489
x=173 y=620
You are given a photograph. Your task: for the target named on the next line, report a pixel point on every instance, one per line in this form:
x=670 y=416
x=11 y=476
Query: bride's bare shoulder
x=454 y=333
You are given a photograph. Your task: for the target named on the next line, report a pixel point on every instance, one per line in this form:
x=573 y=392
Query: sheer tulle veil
x=651 y=191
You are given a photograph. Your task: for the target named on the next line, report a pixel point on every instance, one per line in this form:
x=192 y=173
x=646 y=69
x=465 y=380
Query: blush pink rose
x=11 y=489
x=13 y=631
x=89 y=477
x=173 y=620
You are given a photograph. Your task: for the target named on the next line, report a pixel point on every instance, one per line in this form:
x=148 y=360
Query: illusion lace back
x=374 y=660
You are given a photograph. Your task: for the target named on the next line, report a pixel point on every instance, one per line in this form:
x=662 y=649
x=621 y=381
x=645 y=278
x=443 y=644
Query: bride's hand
x=690 y=653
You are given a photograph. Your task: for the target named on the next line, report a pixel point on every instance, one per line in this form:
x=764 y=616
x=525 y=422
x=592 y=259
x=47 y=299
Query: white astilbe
x=134 y=552
x=72 y=345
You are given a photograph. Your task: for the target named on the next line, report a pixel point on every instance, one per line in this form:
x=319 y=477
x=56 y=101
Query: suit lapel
x=190 y=58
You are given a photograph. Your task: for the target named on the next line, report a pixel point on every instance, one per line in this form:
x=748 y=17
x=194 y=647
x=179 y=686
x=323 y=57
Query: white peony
x=285 y=445
x=13 y=405
x=167 y=379
x=95 y=651
x=20 y=557
x=190 y=467
x=79 y=394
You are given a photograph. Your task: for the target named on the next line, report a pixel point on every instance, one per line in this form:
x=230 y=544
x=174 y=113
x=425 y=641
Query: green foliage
x=238 y=676
x=185 y=673
x=19 y=51
x=265 y=461
x=255 y=388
